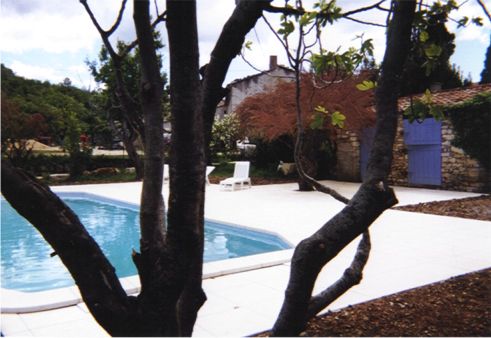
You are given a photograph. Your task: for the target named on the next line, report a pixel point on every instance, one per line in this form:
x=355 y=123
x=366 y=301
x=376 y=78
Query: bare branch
x=347 y=15
x=365 y=22
x=283 y=43
x=351 y=277
x=249 y=63
x=364 y=9
x=118 y=19
x=484 y=9
x=104 y=35
x=156 y=6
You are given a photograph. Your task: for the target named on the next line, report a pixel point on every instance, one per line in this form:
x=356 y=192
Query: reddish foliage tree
x=270 y=115
x=17 y=128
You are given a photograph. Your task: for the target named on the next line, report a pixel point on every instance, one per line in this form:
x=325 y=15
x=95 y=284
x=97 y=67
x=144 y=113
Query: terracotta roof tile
x=449 y=97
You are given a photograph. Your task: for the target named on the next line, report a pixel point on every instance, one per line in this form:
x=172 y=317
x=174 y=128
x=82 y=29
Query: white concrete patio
x=408 y=250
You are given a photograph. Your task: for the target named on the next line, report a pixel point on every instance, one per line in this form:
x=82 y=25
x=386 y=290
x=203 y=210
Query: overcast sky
x=51 y=39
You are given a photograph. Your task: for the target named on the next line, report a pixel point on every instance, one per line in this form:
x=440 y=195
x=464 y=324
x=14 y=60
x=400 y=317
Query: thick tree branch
x=96 y=278
x=129 y=47
x=373 y=196
x=228 y=46
x=151 y=88
x=351 y=277
x=187 y=166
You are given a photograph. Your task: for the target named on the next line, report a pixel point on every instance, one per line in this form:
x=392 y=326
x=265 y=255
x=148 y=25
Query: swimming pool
x=26 y=264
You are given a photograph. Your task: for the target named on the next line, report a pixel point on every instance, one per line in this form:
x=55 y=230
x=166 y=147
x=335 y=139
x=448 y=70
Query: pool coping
x=13 y=301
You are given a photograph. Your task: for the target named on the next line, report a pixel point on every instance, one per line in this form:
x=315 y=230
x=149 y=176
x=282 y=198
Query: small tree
x=271 y=115
x=224 y=135
x=471 y=121
x=18 y=129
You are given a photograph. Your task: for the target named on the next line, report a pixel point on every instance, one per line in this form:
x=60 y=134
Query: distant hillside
x=62 y=106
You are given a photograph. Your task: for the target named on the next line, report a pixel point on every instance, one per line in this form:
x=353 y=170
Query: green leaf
x=366 y=85
x=477 y=21
x=307 y=18
x=427 y=97
x=248 y=45
x=317 y=122
x=337 y=119
x=433 y=51
x=424 y=36
x=321 y=109
x=462 y=22
x=288 y=28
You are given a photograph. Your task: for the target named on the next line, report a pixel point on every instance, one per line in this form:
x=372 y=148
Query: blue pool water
x=26 y=264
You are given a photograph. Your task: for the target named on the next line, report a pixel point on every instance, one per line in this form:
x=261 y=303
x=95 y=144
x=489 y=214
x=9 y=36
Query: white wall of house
x=240 y=89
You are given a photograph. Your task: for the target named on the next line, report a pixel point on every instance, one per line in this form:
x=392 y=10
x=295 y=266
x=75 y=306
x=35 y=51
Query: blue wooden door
x=423 y=141
x=366 y=141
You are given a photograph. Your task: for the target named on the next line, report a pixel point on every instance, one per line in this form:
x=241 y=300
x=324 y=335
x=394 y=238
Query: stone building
x=423 y=152
x=239 y=89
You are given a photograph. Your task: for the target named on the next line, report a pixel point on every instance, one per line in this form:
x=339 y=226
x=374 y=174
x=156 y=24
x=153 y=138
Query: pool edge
x=13 y=301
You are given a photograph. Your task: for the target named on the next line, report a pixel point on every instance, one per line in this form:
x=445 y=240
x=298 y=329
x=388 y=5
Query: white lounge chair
x=240 y=178
x=209 y=169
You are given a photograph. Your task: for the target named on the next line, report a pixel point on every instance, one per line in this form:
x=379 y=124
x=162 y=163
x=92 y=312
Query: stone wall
x=348 y=156
x=459 y=171
x=399 y=170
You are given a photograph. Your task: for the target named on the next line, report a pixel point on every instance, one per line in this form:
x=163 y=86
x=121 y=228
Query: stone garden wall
x=459 y=171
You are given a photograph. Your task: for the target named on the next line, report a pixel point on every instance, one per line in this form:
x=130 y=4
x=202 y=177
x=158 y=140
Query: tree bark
x=129 y=136
x=373 y=197
x=187 y=164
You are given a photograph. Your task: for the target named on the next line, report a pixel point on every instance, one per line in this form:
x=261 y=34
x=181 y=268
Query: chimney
x=273 y=62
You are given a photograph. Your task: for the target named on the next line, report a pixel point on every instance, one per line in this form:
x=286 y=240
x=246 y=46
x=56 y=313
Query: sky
x=51 y=39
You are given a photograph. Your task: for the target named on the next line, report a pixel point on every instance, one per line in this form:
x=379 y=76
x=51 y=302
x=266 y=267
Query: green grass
x=227 y=169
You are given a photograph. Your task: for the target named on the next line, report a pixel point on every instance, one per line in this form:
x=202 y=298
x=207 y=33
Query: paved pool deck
x=408 y=250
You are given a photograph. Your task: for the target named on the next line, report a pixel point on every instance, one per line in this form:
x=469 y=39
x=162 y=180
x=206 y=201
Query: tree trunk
x=129 y=137
x=187 y=166
x=373 y=197
x=308 y=157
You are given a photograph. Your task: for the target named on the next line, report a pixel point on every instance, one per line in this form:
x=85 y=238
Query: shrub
x=471 y=122
x=224 y=135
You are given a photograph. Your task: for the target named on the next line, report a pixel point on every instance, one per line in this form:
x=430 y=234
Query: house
x=423 y=151
x=239 y=89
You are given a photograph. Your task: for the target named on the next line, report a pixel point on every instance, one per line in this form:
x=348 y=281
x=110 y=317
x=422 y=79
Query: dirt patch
x=473 y=207
x=460 y=306
x=457 y=307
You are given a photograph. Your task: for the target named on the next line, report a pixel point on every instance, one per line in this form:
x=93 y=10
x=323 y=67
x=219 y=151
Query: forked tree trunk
x=373 y=197
x=129 y=137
